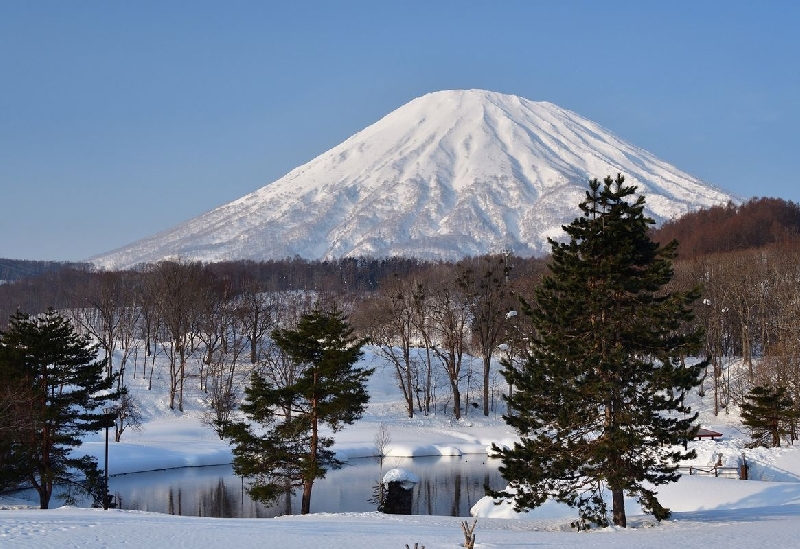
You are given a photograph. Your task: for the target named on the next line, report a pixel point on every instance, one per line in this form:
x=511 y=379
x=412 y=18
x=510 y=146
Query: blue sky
x=121 y=119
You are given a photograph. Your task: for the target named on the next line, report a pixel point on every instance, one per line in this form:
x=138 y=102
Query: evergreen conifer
x=770 y=414
x=599 y=405
x=328 y=389
x=63 y=388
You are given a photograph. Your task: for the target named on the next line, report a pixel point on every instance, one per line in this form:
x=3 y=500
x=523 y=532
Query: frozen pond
x=448 y=486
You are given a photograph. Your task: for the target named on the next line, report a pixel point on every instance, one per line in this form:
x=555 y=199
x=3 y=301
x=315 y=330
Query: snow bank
x=406 y=478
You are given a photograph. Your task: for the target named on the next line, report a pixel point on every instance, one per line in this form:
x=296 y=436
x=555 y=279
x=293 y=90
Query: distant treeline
x=15 y=269
x=63 y=286
x=756 y=223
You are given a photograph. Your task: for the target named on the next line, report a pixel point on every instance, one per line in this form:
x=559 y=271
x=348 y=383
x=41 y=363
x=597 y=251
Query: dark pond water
x=448 y=486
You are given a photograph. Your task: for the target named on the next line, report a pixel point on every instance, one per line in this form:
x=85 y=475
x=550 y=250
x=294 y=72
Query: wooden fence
x=716 y=471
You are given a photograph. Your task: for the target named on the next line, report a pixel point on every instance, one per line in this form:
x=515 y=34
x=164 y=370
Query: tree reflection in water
x=447 y=486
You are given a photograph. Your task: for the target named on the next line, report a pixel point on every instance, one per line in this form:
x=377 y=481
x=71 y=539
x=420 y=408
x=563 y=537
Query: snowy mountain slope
x=450 y=174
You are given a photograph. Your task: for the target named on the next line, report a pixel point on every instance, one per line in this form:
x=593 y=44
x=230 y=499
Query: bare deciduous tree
x=382 y=439
x=179 y=287
x=258 y=317
x=450 y=315
x=128 y=414
x=222 y=369
x=485 y=284
x=388 y=322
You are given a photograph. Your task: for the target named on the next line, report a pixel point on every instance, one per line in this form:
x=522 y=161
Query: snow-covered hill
x=450 y=174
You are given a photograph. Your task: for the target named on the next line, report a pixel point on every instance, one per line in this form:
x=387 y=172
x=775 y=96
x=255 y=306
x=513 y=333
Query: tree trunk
x=775 y=431
x=717 y=373
x=173 y=375
x=453 y=371
x=308 y=482
x=409 y=379
x=456 y=399
x=44 y=499
x=747 y=355
x=428 y=381
x=152 y=367
x=618 y=507
x=182 y=377
x=45 y=487
x=305 y=504
x=487 y=361
x=287 y=498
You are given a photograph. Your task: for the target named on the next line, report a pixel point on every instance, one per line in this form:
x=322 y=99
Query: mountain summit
x=450 y=174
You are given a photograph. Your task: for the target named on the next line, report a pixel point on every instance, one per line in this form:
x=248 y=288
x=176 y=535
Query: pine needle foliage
x=289 y=450
x=769 y=413
x=61 y=387
x=599 y=405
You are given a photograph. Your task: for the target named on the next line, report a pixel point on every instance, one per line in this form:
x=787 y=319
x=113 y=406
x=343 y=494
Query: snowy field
x=707 y=512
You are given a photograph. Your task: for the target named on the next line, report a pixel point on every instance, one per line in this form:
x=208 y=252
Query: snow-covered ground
x=708 y=511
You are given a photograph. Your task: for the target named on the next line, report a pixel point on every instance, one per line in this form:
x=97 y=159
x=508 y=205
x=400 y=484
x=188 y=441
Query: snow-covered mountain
x=450 y=174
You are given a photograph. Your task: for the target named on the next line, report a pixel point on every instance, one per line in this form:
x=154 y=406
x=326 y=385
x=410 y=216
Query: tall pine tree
x=599 y=405
x=60 y=388
x=328 y=389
